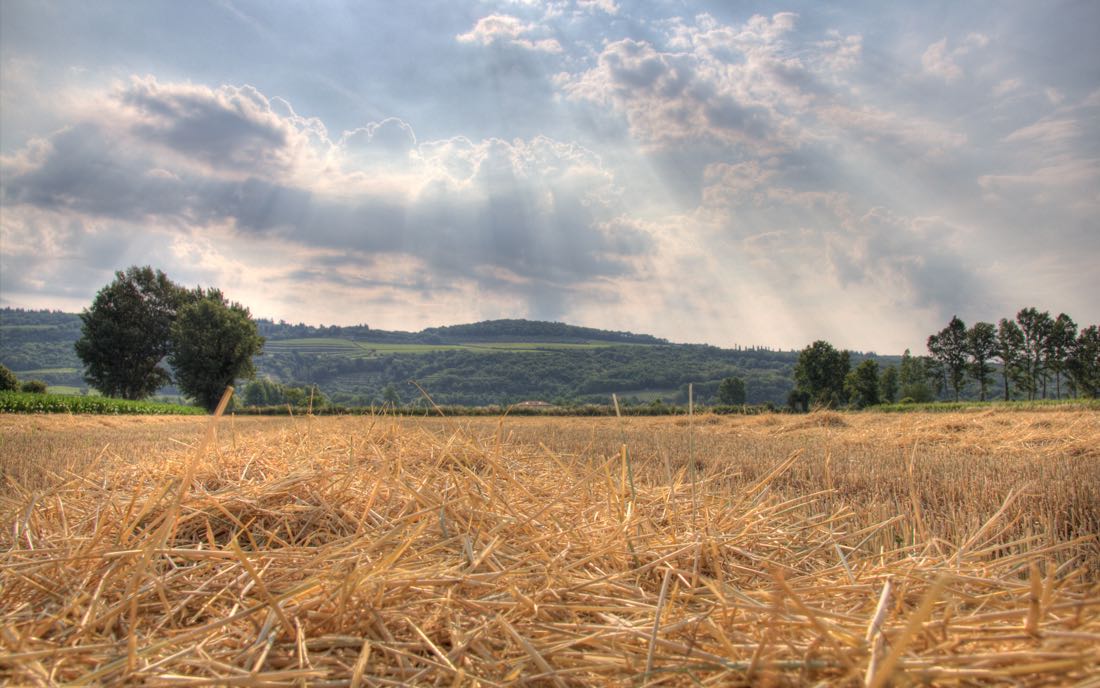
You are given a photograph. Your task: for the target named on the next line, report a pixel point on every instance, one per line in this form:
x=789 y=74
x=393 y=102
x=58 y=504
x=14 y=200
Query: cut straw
x=503 y=551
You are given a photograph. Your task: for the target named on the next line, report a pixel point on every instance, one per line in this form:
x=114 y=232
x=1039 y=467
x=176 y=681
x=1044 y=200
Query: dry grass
x=855 y=549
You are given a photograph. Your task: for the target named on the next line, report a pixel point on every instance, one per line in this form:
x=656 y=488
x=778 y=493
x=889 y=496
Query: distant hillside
x=534 y=331
x=485 y=331
x=502 y=373
x=39 y=345
x=491 y=362
x=508 y=361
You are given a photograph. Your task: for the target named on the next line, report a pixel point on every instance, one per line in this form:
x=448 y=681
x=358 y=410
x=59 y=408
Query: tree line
x=1034 y=352
x=1035 y=356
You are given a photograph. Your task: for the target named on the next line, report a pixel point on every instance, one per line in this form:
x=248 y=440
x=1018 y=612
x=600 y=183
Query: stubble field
x=851 y=549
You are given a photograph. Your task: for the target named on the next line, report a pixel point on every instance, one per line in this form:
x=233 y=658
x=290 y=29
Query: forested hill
x=492 y=362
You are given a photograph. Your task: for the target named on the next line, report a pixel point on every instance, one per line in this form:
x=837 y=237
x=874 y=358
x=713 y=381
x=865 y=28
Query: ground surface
x=845 y=548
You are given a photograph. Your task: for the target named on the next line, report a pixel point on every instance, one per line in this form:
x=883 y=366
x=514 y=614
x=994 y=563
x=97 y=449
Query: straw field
x=831 y=549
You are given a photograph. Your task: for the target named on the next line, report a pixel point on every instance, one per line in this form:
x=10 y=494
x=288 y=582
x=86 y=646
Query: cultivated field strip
x=373 y=551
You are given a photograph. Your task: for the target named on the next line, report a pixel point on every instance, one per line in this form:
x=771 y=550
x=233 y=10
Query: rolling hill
x=491 y=362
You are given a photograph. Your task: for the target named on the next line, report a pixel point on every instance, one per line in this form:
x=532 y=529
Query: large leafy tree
x=820 y=373
x=731 y=391
x=126 y=334
x=213 y=342
x=948 y=348
x=981 y=346
x=862 y=384
x=1010 y=348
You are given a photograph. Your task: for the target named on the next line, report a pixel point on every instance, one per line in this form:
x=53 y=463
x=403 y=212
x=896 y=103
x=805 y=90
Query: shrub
x=8 y=381
x=33 y=387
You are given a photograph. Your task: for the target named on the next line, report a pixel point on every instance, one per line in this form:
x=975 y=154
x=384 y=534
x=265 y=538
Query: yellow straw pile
x=367 y=552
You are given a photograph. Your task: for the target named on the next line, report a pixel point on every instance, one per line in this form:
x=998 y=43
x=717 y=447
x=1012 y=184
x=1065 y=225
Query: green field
x=23 y=374
x=66 y=390
x=539 y=346
x=314 y=345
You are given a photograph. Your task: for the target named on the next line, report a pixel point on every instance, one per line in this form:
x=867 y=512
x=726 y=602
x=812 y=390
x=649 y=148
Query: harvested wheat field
x=832 y=549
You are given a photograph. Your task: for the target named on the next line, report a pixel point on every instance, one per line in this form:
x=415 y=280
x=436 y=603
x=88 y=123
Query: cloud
x=229 y=128
x=938 y=62
x=913 y=260
x=605 y=6
x=840 y=53
x=731 y=184
x=829 y=241
x=942 y=63
x=672 y=97
x=743 y=88
x=508 y=30
x=532 y=215
x=1046 y=132
x=1006 y=86
x=1051 y=162
x=709 y=174
x=889 y=132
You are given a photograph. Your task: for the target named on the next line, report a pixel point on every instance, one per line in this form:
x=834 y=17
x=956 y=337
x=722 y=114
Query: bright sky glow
x=730 y=173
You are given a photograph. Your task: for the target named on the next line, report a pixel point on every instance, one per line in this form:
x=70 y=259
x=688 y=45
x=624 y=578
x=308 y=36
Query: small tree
x=213 y=342
x=8 y=381
x=888 y=385
x=731 y=391
x=981 y=346
x=862 y=384
x=126 y=334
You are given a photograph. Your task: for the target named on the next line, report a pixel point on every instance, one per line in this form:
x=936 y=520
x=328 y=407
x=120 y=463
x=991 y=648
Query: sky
x=735 y=173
